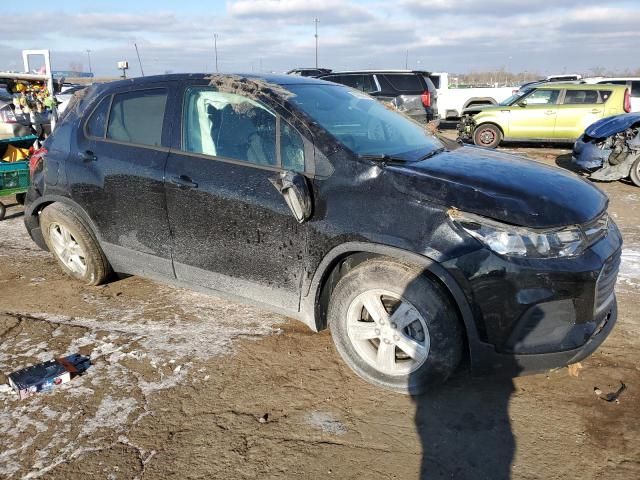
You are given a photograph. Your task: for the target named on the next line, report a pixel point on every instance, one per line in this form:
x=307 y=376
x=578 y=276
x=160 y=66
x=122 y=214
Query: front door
x=578 y=110
x=232 y=229
x=536 y=118
x=117 y=176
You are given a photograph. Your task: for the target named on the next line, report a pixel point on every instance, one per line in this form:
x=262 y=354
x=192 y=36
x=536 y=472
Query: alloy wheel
x=388 y=332
x=67 y=248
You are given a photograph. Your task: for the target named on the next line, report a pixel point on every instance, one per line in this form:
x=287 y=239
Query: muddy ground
x=189 y=386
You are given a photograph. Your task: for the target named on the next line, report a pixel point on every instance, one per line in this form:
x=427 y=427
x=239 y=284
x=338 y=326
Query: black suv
x=321 y=203
x=410 y=91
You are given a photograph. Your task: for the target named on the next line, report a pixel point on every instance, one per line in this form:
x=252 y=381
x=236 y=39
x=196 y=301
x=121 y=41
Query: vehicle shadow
x=564 y=161
x=11 y=215
x=464 y=427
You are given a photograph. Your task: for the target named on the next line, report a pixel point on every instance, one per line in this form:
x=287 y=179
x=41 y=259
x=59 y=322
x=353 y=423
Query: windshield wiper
x=383 y=158
x=432 y=153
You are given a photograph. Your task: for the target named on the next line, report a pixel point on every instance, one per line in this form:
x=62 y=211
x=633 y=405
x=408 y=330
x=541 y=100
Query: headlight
x=515 y=241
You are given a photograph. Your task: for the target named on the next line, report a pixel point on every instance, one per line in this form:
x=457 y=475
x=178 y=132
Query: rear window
x=585 y=97
x=435 y=79
x=402 y=82
x=137 y=117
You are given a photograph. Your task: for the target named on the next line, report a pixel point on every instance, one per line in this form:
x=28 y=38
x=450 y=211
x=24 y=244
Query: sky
x=559 y=36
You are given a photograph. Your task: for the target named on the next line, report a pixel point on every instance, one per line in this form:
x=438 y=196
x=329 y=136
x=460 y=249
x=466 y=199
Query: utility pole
x=139 y=61
x=89 y=57
x=215 y=48
x=316 y=22
x=406 y=61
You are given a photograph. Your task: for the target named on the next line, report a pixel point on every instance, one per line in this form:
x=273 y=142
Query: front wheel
x=634 y=174
x=395 y=327
x=487 y=135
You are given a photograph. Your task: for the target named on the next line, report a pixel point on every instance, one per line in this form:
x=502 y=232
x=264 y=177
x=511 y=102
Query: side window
x=435 y=79
x=363 y=83
x=542 y=97
x=581 y=97
x=635 y=88
x=228 y=125
x=97 y=124
x=408 y=82
x=613 y=82
x=291 y=148
x=137 y=117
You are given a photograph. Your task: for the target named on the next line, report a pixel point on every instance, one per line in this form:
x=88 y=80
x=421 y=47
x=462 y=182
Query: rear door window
x=582 y=97
x=405 y=82
x=96 y=126
x=635 y=88
x=137 y=117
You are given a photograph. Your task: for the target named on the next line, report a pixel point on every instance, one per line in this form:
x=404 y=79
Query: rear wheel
x=487 y=135
x=634 y=174
x=395 y=327
x=74 y=246
x=3 y=210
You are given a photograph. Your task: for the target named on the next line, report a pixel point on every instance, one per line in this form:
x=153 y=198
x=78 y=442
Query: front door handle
x=550 y=112
x=184 y=182
x=595 y=110
x=87 y=156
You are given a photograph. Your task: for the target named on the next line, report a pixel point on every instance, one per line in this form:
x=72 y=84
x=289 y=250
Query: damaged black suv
x=317 y=201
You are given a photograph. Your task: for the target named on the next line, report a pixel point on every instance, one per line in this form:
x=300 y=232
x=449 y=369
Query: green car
x=547 y=113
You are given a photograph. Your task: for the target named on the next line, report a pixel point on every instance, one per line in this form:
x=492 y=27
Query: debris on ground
x=42 y=377
x=612 y=396
x=574 y=369
x=264 y=418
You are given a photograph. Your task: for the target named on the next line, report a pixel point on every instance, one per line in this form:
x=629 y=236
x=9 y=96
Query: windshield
x=361 y=123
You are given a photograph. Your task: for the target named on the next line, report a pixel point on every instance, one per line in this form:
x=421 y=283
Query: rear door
x=116 y=173
x=232 y=230
x=536 y=119
x=578 y=110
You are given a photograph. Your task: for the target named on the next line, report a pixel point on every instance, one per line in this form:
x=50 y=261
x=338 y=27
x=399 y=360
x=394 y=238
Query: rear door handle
x=87 y=156
x=595 y=110
x=184 y=182
x=550 y=112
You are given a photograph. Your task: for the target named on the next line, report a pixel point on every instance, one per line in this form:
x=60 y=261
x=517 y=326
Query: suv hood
x=611 y=125
x=501 y=186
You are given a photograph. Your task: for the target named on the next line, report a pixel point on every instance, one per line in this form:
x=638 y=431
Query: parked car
x=452 y=101
x=309 y=72
x=321 y=203
x=632 y=83
x=411 y=92
x=65 y=95
x=547 y=113
x=609 y=149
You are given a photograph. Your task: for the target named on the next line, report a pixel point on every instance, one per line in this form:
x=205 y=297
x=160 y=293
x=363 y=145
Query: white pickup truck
x=452 y=101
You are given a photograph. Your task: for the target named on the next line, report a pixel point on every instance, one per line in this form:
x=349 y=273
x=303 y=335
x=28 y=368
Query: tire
x=3 y=211
x=20 y=197
x=634 y=174
x=73 y=244
x=427 y=322
x=487 y=135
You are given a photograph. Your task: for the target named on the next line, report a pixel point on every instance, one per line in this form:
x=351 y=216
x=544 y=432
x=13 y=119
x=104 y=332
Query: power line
x=215 y=48
x=139 y=61
x=316 y=22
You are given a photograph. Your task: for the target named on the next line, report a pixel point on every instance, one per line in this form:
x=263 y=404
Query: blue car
x=609 y=149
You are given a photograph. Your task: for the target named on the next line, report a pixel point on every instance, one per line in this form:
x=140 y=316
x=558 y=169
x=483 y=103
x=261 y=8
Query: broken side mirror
x=296 y=192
